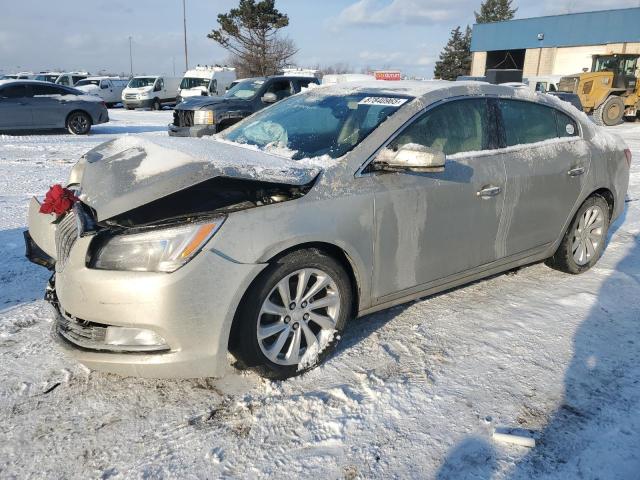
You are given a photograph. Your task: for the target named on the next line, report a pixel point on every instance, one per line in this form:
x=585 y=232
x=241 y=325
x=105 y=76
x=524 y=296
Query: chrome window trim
x=360 y=171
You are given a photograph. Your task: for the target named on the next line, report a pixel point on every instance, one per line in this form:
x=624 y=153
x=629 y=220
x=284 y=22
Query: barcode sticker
x=383 y=101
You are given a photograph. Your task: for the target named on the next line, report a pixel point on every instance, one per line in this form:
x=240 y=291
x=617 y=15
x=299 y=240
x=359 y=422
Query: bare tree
x=250 y=34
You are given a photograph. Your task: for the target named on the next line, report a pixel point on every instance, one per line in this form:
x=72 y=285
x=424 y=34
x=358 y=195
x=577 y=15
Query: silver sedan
x=266 y=240
x=31 y=105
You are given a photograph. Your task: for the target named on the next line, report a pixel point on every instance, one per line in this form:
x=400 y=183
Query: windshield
x=88 y=82
x=194 y=83
x=246 y=89
x=142 y=82
x=47 y=78
x=315 y=124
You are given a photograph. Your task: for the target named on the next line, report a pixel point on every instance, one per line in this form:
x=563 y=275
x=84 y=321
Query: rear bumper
x=195 y=131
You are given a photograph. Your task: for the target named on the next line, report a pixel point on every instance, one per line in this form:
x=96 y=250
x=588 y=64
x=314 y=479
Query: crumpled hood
x=131 y=171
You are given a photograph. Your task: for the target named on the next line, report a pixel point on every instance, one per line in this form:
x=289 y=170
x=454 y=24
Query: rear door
x=547 y=161
x=15 y=111
x=49 y=111
x=430 y=226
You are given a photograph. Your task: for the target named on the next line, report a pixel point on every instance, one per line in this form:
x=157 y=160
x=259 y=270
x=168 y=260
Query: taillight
x=627 y=154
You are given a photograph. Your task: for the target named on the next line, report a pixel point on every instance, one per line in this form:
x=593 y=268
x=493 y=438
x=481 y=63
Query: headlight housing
x=204 y=117
x=161 y=250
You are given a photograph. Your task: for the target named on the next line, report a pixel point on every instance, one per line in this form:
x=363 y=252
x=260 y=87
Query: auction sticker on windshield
x=384 y=101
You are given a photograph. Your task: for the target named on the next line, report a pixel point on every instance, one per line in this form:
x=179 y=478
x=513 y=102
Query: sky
x=407 y=35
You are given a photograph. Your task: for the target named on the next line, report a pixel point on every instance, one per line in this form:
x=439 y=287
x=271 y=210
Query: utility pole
x=184 y=19
x=130 y=57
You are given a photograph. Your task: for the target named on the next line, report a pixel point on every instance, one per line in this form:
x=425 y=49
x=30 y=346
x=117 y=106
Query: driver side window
x=281 y=88
x=454 y=127
x=159 y=85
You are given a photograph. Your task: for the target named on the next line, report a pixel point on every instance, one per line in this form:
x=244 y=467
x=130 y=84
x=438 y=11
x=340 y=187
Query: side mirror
x=269 y=98
x=156 y=88
x=104 y=86
x=412 y=157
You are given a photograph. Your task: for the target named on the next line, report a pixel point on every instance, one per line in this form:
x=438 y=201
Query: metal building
x=554 y=45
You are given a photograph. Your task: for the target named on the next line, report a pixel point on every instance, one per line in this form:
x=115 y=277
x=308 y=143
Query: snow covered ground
x=413 y=392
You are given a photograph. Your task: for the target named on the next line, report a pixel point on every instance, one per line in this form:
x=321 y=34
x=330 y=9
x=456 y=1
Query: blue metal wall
x=590 y=28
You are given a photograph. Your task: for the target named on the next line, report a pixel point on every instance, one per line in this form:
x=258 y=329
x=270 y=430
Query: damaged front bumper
x=194 y=131
x=161 y=325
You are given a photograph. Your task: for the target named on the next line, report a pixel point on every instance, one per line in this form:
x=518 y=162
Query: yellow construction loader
x=611 y=90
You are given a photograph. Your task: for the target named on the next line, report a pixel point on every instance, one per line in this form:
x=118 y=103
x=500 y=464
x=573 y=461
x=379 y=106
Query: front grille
x=130 y=96
x=66 y=236
x=183 y=118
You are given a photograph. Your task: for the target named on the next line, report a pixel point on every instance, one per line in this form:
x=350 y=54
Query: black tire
x=157 y=105
x=244 y=336
x=78 y=123
x=610 y=113
x=564 y=260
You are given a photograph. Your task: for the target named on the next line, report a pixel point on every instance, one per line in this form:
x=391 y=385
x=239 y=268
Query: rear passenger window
x=455 y=127
x=527 y=122
x=566 y=126
x=40 y=90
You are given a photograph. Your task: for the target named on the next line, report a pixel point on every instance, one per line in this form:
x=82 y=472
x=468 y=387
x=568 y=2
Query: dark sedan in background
x=199 y=116
x=34 y=105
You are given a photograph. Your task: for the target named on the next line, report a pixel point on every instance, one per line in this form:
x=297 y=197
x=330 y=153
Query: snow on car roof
x=414 y=88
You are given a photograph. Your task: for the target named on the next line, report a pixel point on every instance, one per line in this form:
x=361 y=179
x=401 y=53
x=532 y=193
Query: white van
x=150 y=91
x=62 y=78
x=206 y=80
x=544 y=84
x=108 y=88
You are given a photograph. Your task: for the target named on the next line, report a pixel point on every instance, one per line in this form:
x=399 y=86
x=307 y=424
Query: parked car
x=33 y=105
x=196 y=116
x=18 y=76
x=150 y=91
x=268 y=238
x=109 y=89
x=206 y=81
x=68 y=79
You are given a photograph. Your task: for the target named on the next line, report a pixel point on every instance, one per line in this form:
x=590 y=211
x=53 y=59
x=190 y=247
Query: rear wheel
x=584 y=241
x=610 y=112
x=293 y=316
x=78 y=123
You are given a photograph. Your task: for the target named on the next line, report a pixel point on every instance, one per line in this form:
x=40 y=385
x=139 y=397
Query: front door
x=547 y=163
x=433 y=225
x=15 y=111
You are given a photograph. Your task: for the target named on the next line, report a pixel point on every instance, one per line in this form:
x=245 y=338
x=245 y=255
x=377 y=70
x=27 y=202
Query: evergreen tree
x=455 y=58
x=495 y=11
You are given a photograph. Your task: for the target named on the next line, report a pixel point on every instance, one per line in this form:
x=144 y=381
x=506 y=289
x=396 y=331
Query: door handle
x=574 y=172
x=489 y=191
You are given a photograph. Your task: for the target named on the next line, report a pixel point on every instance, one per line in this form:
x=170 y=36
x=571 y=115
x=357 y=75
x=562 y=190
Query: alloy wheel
x=588 y=235
x=298 y=316
x=79 y=124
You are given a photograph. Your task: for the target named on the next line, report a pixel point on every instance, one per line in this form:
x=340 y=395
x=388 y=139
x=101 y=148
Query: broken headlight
x=161 y=250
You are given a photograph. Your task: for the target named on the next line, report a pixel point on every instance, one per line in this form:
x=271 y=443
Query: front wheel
x=79 y=123
x=584 y=241
x=157 y=105
x=293 y=316
x=610 y=113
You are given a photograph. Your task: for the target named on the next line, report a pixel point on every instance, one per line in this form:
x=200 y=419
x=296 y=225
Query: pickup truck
x=199 y=116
